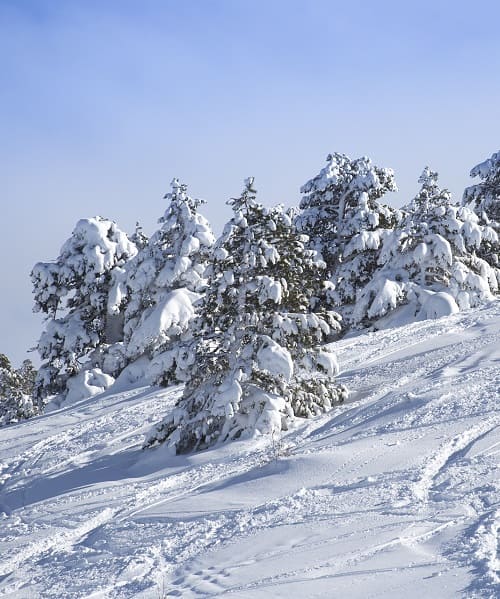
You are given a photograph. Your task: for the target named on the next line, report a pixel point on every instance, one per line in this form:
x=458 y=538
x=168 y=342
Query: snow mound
x=436 y=305
x=87 y=384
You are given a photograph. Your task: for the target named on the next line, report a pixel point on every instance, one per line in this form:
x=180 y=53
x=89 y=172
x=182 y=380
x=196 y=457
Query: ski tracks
x=487 y=547
x=142 y=496
x=447 y=453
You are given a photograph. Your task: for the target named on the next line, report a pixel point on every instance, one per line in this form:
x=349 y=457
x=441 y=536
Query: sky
x=103 y=103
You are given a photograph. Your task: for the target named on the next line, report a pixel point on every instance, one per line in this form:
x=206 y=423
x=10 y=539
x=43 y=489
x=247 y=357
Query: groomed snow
x=394 y=494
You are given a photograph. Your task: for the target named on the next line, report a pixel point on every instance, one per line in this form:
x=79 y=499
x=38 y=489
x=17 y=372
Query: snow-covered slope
x=394 y=494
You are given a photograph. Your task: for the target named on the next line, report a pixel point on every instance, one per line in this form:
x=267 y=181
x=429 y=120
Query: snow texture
x=395 y=493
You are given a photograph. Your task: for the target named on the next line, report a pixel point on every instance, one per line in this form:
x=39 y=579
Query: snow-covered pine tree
x=73 y=293
x=346 y=223
x=429 y=260
x=16 y=389
x=27 y=375
x=161 y=284
x=257 y=342
x=484 y=199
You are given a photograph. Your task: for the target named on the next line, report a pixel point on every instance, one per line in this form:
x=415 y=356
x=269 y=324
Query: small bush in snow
x=16 y=389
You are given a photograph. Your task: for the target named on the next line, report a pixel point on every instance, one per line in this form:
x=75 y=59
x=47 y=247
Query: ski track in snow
x=448 y=452
x=396 y=493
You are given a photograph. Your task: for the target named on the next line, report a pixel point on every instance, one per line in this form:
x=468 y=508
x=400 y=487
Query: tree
x=346 y=223
x=432 y=252
x=484 y=199
x=256 y=341
x=16 y=388
x=27 y=374
x=161 y=284
x=73 y=293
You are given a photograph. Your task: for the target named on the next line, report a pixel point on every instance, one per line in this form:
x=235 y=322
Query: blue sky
x=102 y=103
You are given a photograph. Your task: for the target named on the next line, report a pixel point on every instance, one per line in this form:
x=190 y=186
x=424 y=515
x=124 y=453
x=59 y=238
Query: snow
x=395 y=493
x=366 y=240
x=269 y=289
x=274 y=358
x=386 y=299
x=483 y=169
x=98 y=242
x=441 y=249
x=328 y=362
x=87 y=384
x=228 y=396
x=169 y=317
x=270 y=420
x=436 y=305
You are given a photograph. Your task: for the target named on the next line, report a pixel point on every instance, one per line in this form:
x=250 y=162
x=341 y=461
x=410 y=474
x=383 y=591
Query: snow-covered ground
x=394 y=494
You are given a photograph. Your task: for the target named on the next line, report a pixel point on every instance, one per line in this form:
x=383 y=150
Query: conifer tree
x=16 y=389
x=161 y=284
x=27 y=374
x=73 y=292
x=432 y=251
x=346 y=223
x=256 y=341
x=484 y=199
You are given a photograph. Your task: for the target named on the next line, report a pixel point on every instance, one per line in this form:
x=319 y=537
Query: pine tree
x=27 y=374
x=432 y=251
x=432 y=233
x=73 y=292
x=161 y=284
x=484 y=199
x=258 y=361
x=342 y=215
x=16 y=389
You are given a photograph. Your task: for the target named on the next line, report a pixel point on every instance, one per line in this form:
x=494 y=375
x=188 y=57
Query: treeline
x=243 y=320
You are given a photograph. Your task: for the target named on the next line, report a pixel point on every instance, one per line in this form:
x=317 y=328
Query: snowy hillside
x=394 y=494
